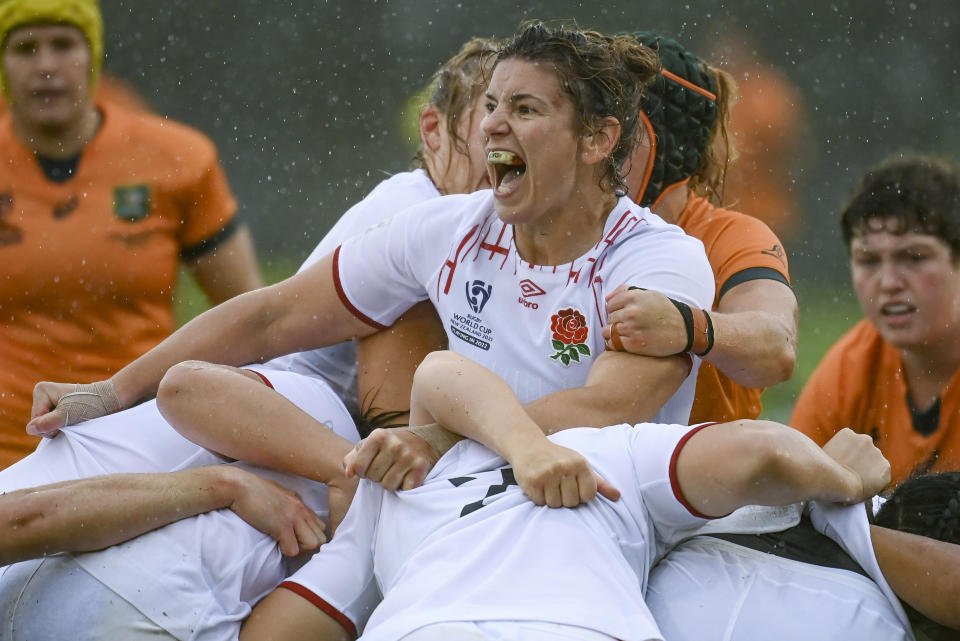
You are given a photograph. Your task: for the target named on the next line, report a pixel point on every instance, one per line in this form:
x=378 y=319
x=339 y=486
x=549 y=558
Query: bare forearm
x=726 y=466
x=91 y=514
x=234 y=333
x=923 y=572
x=621 y=388
x=755 y=333
x=472 y=401
x=754 y=348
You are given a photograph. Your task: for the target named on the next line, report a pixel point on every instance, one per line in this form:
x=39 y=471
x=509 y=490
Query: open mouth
x=897 y=309
x=507 y=169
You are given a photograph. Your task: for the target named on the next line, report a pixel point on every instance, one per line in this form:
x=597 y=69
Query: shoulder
x=174 y=142
x=733 y=237
x=860 y=349
x=404 y=189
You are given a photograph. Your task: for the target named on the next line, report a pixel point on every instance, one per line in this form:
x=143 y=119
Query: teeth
x=901 y=308
x=503 y=158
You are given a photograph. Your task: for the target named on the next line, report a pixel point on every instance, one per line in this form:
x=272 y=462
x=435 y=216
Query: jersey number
x=508 y=479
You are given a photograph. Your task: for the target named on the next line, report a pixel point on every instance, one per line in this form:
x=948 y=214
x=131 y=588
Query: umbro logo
x=529 y=288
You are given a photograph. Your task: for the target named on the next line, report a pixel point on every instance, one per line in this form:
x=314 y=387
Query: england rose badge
x=570 y=331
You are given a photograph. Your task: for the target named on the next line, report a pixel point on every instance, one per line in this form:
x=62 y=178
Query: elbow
x=767 y=466
x=179 y=394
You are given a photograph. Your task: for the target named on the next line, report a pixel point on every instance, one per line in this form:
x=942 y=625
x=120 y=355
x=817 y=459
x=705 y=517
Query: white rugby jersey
x=337 y=364
x=537 y=327
x=714 y=590
x=469 y=546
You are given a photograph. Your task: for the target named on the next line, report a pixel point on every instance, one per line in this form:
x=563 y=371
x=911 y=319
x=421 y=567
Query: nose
x=890 y=276
x=494 y=123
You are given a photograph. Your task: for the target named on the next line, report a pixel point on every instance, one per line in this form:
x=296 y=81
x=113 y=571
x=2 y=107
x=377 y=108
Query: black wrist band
x=684 y=310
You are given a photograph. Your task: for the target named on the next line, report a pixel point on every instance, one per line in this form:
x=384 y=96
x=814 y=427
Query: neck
x=928 y=370
x=60 y=141
x=671 y=203
x=565 y=236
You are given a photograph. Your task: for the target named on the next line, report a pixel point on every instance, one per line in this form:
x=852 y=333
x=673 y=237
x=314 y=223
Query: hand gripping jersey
x=196 y=578
x=468 y=545
x=709 y=589
x=537 y=327
x=337 y=364
x=740 y=249
x=89 y=264
x=860 y=384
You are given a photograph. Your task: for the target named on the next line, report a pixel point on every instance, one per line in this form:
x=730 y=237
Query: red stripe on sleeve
x=328 y=609
x=343 y=296
x=674 y=483
x=266 y=381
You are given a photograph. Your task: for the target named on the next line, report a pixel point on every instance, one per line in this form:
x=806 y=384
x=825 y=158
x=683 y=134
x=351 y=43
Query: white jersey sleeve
x=387 y=199
x=385 y=271
x=655 y=449
x=339 y=579
x=669 y=262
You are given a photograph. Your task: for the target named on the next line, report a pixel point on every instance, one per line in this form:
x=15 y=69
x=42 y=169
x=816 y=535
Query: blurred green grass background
x=825 y=314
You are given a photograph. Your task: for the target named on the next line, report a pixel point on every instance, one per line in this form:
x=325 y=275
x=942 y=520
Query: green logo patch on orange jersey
x=131 y=202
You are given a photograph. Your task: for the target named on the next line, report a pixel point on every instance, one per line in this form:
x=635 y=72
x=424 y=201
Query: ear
x=599 y=144
x=431 y=128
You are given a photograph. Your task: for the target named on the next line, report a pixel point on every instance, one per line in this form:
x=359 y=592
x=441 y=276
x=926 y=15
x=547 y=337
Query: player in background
x=215 y=590
x=573 y=238
x=99 y=204
x=529 y=572
x=678 y=170
x=896 y=374
x=451 y=159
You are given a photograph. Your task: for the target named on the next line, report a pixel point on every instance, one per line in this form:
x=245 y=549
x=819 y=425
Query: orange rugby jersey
x=740 y=248
x=860 y=384
x=89 y=264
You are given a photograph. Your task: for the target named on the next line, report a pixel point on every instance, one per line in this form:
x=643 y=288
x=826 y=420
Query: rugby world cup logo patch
x=570 y=332
x=478 y=293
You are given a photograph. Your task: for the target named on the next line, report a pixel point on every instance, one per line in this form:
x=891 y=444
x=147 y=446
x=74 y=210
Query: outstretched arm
x=726 y=466
x=302 y=312
x=922 y=571
x=755 y=329
x=91 y=514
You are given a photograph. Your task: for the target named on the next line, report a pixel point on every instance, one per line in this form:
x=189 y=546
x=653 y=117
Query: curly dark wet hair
x=907 y=193
x=604 y=76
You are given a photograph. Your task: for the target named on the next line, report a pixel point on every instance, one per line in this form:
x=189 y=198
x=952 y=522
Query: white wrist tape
x=88 y=401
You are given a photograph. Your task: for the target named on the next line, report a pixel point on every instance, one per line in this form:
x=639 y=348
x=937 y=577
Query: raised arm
x=302 y=312
x=91 y=514
x=729 y=465
x=754 y=329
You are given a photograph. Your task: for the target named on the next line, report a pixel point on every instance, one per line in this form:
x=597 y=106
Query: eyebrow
x=517 y=97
